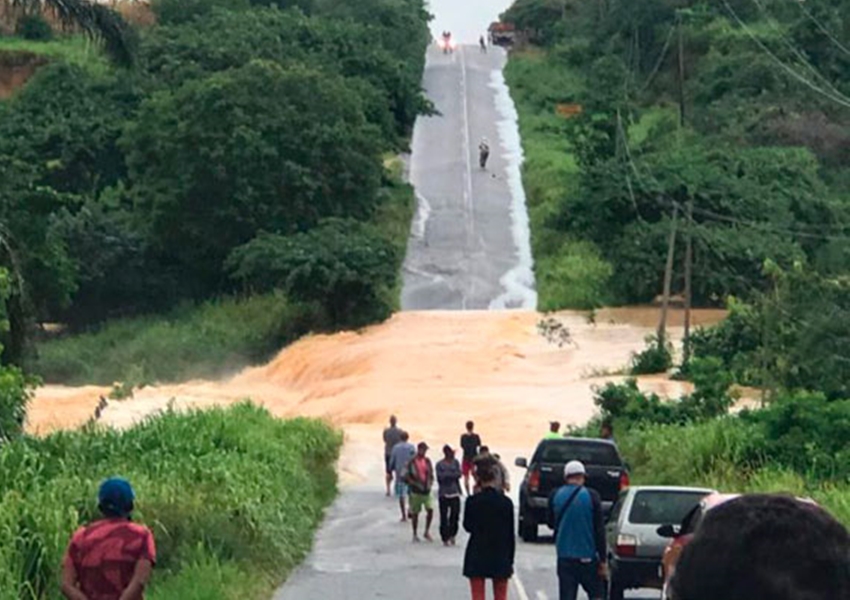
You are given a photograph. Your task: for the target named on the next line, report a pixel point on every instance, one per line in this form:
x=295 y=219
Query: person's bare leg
x=414 y=520
x=429 y=517
x=466 y=483
x=403 y=509
x=389 y=482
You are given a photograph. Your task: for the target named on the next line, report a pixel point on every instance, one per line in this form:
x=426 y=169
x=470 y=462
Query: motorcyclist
x=483 y=152
x=447 y=42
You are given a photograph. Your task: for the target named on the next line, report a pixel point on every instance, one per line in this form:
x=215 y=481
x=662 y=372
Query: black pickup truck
x=606 y=473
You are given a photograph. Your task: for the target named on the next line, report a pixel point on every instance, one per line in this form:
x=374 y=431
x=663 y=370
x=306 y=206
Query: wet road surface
x=364 y=552
x=469 y=244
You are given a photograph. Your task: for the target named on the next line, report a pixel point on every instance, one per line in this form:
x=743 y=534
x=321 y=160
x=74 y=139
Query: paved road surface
x=362 y=552
x=469 y=247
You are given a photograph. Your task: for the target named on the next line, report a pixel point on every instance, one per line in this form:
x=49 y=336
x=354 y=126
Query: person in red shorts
x=470 y=444
x=112 y=558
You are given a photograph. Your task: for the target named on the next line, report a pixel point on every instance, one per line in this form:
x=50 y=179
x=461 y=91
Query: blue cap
x=116 y=497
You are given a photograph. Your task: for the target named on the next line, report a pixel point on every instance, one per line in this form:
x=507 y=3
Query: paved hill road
x=362 y=552
x=469 y=247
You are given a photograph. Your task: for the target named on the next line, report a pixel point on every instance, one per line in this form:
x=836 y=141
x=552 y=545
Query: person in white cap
x=575 y=513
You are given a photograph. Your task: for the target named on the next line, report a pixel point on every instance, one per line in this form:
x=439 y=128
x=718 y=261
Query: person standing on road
x=400 y=457
x=420 y=478
x=112 y=558
x=483 y=152
x=448 y=481
x=489 y=518
x=485 y=457
x=392 y=436
x=575 y=513
x=470 y=443
x=554 y=432
x=606 y=431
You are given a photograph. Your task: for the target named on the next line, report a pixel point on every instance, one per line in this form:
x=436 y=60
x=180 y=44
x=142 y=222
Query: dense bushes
x=793 y=337
x=124 y=190
x=232 y=496
x=757 y=154
x=344 y=266
x=625 y=404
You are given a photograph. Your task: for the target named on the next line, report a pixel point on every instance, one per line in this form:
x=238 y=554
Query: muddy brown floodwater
x=433 y=369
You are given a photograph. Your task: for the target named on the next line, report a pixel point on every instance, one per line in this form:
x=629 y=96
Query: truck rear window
x=602 y=455
x=659 y=507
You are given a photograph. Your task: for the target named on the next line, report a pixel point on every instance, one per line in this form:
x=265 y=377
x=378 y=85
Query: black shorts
x=387 y=469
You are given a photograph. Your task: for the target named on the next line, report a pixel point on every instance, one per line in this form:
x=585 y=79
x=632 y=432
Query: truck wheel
x=615 y=589
x=528 y=528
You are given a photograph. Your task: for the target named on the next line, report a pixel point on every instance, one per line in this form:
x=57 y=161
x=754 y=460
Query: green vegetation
x=233 y=497
x=759 y=154
x=124 y=192
x=189 y=342
x=75 y=50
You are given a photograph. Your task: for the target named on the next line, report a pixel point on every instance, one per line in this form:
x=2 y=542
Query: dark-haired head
x=404 y=436
x=765 y=547
x=470 y=426
x=116 y=498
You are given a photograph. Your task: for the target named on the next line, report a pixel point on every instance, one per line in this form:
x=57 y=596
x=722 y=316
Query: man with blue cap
x=112 y=558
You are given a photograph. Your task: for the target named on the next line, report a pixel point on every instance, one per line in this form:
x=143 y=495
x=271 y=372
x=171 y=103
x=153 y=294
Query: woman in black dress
x=489 y=519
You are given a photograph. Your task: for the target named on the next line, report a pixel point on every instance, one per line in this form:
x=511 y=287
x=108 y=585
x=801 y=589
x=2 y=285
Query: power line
x=799 y=53
x=660 y=61
x=821 y=26
x=841 y=100
x=711 y=215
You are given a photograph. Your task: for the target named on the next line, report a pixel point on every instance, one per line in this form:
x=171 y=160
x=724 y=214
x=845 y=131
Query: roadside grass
x=569 y=273
x=722 y=454
x=206 y=340
x=75 y=49
x=233 y=497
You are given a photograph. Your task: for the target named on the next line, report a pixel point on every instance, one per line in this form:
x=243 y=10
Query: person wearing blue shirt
x=575 y=513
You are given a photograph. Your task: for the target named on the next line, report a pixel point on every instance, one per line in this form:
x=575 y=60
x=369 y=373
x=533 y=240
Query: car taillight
x=624 y=480
x=626 y=545
x=534 y=481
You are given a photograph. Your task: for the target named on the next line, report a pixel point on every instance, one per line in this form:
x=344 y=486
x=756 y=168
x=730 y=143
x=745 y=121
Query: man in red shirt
x=112 y=558
x=420 y=478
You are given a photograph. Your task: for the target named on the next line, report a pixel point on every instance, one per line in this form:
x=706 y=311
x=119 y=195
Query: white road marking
x=469 y=202
x=541 y=595
x=520 y=589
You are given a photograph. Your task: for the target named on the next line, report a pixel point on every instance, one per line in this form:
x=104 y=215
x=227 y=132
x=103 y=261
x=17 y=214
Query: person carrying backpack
x=575 y=513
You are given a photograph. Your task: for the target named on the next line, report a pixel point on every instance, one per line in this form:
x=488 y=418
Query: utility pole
x=668 y=278
x=681 y=72
x=689 y=260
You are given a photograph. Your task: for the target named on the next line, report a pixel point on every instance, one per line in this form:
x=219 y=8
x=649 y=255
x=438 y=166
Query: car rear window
x=659 y=507
x=604 y=455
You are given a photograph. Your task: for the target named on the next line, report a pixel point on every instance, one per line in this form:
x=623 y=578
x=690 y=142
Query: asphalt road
x=364 y=552
x=468 y=248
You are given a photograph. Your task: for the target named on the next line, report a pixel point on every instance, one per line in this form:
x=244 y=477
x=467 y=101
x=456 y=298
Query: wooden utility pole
x=668 y=278
x=689 y=261
x=681 y=73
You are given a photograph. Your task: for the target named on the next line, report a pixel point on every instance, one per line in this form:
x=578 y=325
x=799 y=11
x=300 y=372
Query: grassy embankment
x=569 y=272
x=233 y=497
x=716 y=454
x=206 y=340
x=74 y=49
